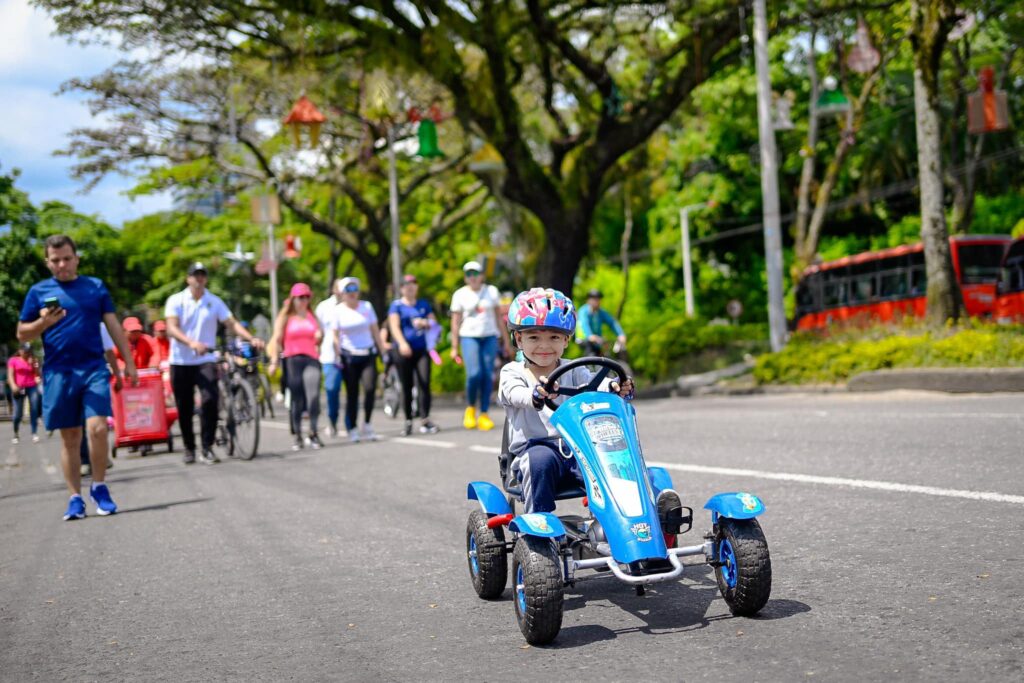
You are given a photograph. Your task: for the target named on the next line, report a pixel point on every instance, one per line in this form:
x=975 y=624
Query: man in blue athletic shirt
x=66 y=311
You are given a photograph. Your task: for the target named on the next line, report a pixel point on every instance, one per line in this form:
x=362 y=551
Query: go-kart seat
x=512 y=485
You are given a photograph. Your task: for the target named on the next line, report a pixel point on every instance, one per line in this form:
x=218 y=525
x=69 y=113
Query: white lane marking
x=274 y=425
x=852 y=483
x=485 y=449
x=423 y=442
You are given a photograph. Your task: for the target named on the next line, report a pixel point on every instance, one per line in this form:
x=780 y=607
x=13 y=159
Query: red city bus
x=1010 y=296
x=890 y=284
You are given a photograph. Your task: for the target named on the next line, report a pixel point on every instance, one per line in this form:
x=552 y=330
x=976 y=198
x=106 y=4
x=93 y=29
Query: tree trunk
x=568 y=241
x=929 y=20
x=803 y=202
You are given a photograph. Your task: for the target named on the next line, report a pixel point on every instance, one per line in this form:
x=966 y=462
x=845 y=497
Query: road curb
x=948 y=380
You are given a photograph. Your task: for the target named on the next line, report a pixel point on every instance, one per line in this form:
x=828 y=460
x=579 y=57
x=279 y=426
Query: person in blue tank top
x=67 y=311
x=409 y=318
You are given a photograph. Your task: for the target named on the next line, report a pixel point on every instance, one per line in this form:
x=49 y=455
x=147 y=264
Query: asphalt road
x=895 y=523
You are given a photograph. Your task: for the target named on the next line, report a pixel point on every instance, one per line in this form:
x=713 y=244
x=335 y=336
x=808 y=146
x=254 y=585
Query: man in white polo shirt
x=325 y=313
x=192 y=318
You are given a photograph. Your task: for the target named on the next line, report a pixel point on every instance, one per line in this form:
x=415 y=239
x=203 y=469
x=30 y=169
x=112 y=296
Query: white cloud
x=34 y=121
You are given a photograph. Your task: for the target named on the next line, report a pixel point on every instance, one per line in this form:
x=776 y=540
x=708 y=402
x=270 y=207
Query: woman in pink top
x=23 y=378
x=296 y=339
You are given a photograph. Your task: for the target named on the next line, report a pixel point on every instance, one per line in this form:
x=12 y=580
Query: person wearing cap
x=409 y=318
x=67 y=311
x=330 y=363
x=477 y=331
x=23 y=379
x=356 y=336
x=161 y=342
x=192 y=317
x=593 y=318
x=296 y=339
x=143 y=346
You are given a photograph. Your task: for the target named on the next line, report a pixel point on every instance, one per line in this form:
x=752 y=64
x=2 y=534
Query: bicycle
x=252 y=365
x=391 y=392
x=238 y=424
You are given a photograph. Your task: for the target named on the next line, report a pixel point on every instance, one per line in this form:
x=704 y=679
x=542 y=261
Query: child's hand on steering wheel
x=625 y=390
x=540 y=393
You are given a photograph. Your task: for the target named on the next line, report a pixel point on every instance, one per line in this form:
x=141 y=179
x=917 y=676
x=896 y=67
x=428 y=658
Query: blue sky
x=34 y=121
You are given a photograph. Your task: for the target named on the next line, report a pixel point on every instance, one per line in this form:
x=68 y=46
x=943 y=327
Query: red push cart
x=141 y=416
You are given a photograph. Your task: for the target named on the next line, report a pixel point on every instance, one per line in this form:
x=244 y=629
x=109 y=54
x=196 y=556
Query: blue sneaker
x=76 y=509
x=100 y=495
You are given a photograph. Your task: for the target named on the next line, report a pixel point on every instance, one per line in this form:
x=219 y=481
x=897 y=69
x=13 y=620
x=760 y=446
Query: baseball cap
x=131 y=324
x=594 y=294
x=472 y=265
x=409 y=278
x=348 y=282
x=195 y=267
x=301 y=289
x=159 y=325
x=26 y=346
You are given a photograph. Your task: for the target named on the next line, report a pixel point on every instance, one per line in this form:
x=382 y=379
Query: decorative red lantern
x=292 y=246
x=987 y=111
x=305 y=113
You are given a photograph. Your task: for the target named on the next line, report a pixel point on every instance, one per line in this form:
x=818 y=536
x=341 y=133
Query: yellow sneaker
x=484 y=423
x=469 y=419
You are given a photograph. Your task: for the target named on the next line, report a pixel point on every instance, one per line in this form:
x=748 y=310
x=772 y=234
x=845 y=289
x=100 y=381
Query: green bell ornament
x=427 y=132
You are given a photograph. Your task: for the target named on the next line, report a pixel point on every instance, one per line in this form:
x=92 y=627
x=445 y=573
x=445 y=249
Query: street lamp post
x=684 y=230
x=396 y=255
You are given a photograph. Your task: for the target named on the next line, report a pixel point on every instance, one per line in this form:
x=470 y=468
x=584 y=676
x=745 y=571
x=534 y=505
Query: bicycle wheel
x=223 y=435
x=392 y=392
x=243 y=419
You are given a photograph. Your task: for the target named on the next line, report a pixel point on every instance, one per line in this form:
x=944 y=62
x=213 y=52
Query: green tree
x=21 y=258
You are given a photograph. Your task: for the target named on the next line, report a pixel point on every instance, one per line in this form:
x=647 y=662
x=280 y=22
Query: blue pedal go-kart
x=631 y=529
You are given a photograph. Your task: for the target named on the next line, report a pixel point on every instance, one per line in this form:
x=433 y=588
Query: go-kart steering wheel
x=607 y=365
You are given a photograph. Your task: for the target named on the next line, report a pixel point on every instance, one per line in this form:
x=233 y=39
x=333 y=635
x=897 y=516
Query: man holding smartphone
x=67 y=311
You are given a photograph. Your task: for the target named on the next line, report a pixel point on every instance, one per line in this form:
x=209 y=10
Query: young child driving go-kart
x=541 y=322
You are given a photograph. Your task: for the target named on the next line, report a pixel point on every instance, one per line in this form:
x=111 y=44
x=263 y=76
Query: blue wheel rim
x=728 y=559
x=473 y=563
x=520 y=590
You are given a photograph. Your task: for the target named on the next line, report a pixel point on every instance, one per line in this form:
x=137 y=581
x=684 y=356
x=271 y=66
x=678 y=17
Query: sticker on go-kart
x=537 y=521
x=591 y=407
x=749 y=501
x=642 y=531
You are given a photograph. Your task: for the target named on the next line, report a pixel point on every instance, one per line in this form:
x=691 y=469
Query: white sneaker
x=35 y=438
x=15 y=441
x=353 y=436
x=332 y=432
x=367 y=433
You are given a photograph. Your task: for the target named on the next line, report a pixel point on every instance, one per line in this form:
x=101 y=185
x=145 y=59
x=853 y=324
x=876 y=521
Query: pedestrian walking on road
x=409 y=318
x=296 y=340
x=66 y=311
x=193 y=315
x=330 y=363
x=355 y=332
x=143 y=346
x=477 y=333
x=23 y=379
x=161 y=342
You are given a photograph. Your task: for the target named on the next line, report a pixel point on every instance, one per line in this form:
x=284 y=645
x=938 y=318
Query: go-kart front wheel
x=538 y=595
x=488 y=563
x=745 y=571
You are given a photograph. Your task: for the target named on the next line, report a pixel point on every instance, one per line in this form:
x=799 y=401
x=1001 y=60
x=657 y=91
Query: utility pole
x=684 y=237
x=396 y=255
x=769 y=181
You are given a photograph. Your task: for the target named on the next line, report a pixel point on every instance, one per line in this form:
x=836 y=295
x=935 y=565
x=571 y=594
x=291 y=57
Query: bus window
x=833 y=291
x=862 y=282
x=979 y=263
x=918 y=281
x=807 y=294
x=893 y=284
x=1013 y=274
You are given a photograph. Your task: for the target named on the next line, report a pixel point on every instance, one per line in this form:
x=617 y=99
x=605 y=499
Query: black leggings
x=356 y=371
x=415 y=368
x=304 y=387
x=184 y=380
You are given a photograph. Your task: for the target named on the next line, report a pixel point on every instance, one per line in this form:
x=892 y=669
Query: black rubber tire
x=492 y=562
x=753 y=566
x=540 y=619
x=246 y=416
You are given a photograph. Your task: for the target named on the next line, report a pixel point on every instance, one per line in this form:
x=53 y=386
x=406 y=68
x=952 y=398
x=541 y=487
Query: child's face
x=543 y=347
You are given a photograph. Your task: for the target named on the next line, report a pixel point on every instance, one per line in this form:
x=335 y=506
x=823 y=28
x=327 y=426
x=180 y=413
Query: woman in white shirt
x=477 y=331
x=357 y=340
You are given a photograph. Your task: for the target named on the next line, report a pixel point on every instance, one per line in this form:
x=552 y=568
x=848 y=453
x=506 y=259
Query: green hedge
x=666 y=340
x=815 y=358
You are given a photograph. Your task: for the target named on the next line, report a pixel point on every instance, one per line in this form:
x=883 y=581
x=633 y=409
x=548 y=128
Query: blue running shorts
x=70 y=394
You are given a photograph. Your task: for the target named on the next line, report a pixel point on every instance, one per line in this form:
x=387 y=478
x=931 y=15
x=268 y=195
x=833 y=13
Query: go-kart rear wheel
x=538 y=596
x=745 y=575
x=488 y=563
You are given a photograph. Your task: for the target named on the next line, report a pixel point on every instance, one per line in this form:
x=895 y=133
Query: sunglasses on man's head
x=351 y=288
x=472 y=273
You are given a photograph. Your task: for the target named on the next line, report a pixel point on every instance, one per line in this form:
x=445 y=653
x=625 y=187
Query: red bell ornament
x=987 y=110
x=304 y=114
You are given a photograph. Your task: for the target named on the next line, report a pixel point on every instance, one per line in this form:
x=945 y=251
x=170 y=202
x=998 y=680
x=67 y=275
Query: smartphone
x=51 y=302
